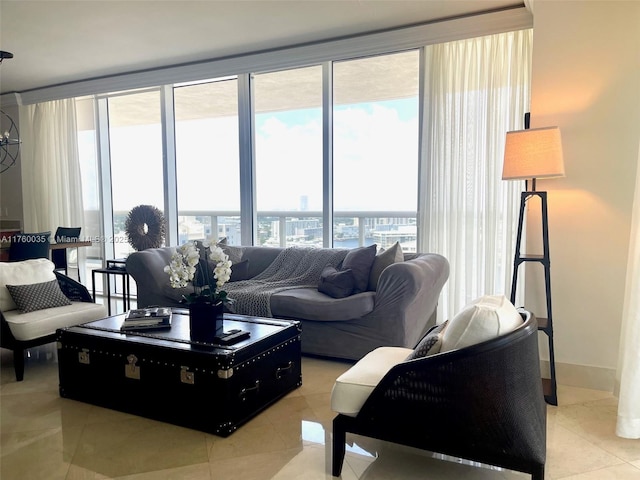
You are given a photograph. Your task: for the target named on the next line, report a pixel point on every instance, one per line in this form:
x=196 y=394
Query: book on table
x=147 y=318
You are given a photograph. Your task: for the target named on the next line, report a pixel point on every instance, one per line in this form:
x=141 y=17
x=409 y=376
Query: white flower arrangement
x=185 y=264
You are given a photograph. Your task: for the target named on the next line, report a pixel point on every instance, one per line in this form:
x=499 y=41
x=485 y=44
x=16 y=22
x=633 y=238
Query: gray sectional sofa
x=396 y=309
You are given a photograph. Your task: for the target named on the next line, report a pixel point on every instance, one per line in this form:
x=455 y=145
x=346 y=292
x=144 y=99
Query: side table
x=114 y=267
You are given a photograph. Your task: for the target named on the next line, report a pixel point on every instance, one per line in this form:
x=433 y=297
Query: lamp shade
x=533 y=153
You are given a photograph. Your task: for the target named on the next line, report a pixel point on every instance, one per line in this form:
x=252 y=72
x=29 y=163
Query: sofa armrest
x=147 y=266
x=147 y=269
x=412 y=287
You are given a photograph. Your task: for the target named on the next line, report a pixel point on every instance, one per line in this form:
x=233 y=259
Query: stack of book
x=147 y=318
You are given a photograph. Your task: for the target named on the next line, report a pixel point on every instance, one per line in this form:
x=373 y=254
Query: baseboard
x=596 y=378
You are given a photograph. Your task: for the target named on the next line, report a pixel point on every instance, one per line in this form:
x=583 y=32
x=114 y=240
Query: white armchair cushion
x=25 y=272
x=40 y=323
x=354 y=386
x=483 y=319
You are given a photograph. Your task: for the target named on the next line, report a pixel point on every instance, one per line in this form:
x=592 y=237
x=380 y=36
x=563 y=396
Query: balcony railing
x=354 y=226
x=364 y=221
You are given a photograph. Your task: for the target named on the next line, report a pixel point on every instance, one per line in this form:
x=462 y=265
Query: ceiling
x=57 y=41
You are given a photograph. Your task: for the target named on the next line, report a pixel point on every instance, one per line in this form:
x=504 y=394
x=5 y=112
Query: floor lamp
x=530 y=154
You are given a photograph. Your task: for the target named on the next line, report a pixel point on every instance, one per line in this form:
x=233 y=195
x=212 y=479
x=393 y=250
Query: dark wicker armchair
x=73 y=290
x=482 y=403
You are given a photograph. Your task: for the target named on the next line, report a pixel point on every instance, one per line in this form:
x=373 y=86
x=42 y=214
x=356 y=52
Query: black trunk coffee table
x=163 y=375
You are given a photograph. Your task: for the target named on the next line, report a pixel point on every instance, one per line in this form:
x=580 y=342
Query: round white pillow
x=483 y=319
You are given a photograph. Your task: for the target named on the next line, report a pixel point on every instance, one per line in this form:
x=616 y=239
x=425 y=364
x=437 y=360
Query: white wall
x=586 y=80
x=10 y=180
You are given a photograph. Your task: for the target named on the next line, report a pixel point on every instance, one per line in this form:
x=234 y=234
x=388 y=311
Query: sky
x=375 y=160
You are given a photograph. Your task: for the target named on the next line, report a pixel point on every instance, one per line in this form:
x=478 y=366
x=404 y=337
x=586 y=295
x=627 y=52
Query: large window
x=87 y=152
x=135 y=142
x=375 y=150
x=288 y=146
x=207 y=160
x=256 y=146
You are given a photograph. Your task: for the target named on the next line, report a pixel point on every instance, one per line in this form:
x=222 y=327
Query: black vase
x=205 y=321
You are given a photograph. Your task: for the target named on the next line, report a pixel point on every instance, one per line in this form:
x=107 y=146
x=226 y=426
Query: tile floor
x=43 y=436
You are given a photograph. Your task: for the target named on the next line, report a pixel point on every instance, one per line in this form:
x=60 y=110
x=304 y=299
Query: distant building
x=406 y=235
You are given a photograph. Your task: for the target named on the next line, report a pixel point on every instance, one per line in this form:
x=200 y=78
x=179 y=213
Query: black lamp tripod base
x=549 y=385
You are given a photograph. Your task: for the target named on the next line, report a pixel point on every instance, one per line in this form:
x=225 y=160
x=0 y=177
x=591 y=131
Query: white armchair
x=35 y=301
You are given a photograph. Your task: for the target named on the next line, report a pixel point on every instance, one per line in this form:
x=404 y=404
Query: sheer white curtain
x=51 y=182
x=475 y=91
x=628 y=374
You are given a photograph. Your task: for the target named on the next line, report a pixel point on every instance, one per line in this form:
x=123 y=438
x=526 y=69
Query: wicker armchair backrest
x=483 y=402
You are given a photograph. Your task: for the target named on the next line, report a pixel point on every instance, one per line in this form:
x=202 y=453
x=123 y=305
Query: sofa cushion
x=431 y=343
x=382 y=260
x=310 y=304
x=483 y=319
x=360 y=261
x=354 y=386
x=22 y=273
x=336 y=283
x=38 y=296
x=259 y=258
x=27 y=326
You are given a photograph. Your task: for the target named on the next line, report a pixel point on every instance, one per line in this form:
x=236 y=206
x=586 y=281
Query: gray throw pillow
x=38 y=296
x=234 y=253
x=204 y=270
x=239 y=271
x=430 y=343
x=391 y=255
x=336 y=283
x=201 y=249
x=360 y=261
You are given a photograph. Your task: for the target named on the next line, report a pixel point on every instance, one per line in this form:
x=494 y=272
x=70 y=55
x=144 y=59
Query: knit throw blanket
x=294 y=267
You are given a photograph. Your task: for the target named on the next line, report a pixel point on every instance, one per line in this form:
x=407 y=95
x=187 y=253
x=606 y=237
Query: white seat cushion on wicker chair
x=27 y=326
x=354 y=386
x=43 y=321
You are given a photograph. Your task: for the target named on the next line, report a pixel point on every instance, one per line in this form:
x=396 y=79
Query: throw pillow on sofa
x=360 y=260
x=234 y=253
x=336 y=283
x=483 y=319
x=239 y=271
x=239 y=267
x=382 y=260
